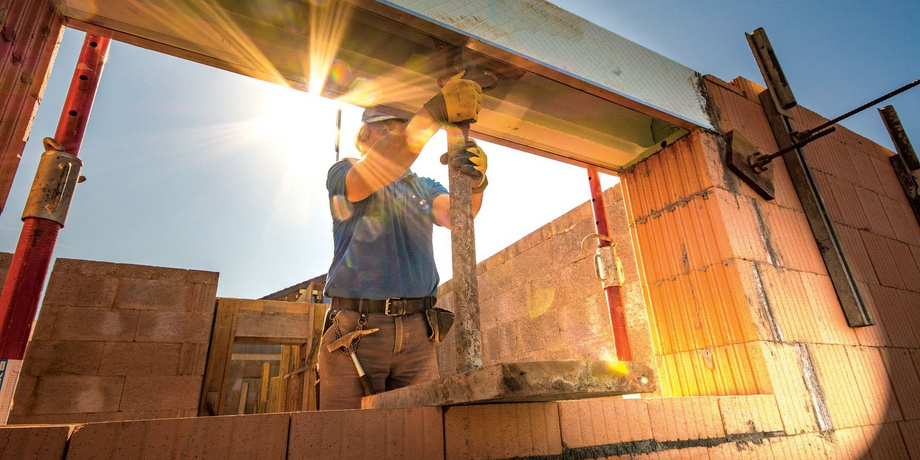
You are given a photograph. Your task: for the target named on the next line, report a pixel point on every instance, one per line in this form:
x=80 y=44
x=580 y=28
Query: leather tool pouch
x=439 y=323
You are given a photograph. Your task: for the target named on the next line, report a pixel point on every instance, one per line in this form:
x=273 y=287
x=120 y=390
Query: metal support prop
x=30 y=263
x=851 y=300
x=614 y=296
x=463 y=252
x=462 y=237
x=905 y=160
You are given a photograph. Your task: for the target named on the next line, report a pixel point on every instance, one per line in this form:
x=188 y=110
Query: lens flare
x=368 y=230
x=540 y=301
x=342 y=209
x=339 y=75
x=87 y=12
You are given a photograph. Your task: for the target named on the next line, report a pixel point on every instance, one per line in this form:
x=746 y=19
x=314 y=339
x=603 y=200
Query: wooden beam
x=263 y=393
x=217 y=370
x=244 y=392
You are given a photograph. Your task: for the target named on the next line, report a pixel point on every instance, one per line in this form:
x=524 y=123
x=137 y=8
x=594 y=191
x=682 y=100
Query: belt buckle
x=386 y=308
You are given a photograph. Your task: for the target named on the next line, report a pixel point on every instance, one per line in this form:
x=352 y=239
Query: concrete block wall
x=116 y=342
x=539 y=298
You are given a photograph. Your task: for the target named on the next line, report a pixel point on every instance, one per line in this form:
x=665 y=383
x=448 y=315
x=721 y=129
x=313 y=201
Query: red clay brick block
x=596 y=422
x=416 y=433
x=871 y=378
x=848 y=444
x=167 y=326
x=502 y=431
x=145 y=393
x=219 y=438
x=34 y=443
x=792 y=396
x=750 y=414
x=885 y=442
x=138 y=358
x=911 y=434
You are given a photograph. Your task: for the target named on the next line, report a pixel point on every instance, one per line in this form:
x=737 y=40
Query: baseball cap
x=373 y=115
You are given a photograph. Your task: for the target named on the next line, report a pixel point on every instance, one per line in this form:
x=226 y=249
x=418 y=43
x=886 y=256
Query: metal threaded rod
x=807 y=133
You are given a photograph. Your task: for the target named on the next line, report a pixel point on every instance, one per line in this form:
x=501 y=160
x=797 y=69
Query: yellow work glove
x=471 y=161
x=459 y=100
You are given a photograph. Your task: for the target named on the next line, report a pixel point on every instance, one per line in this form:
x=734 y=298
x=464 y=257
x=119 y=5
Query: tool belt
x=389 y=307
x=439 y=320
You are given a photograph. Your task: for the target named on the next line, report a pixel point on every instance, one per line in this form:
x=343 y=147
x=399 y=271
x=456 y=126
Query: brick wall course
x=910 y=431
x=750 y=414
x=65 y=394
x=140 y=358
x=602 y=421
x=249 y=437
x=502 y=431
x=78 y=290
x=158 y=326
x=416 y=433
x=62 y=357
x=905 y=379
x=147 y=393
x=86 y=324
x=33 y=443
x=885 y=442
x=152 y=294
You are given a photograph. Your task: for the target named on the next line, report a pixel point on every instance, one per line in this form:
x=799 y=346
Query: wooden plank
x=316 y=332
x=217 y=370
x=244 y=392
x=263 y=394
x=523 y=382
x=283 y=370
x=275 y=399
x=273 y=306
x=295 y=379
x=272 y=327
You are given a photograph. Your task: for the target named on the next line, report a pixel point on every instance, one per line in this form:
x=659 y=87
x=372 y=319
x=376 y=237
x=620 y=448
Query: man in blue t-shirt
x=383 y=274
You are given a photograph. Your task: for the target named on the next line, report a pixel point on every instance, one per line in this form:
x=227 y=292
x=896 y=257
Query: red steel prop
x=614 y=298
x=26 y=277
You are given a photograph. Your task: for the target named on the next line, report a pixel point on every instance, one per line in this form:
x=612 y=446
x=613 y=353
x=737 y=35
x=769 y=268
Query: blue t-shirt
x=383 y=243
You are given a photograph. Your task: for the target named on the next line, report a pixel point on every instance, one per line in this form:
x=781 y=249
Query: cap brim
x=376 y=118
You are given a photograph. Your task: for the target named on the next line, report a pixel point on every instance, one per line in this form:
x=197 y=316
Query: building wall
x=539 y=298
x=116 y=342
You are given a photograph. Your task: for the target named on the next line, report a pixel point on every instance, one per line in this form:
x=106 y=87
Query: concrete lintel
x=523 y=382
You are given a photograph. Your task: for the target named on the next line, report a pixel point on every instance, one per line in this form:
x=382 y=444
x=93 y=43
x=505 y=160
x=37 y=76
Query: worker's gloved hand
x=459 y=100
x=471 y=161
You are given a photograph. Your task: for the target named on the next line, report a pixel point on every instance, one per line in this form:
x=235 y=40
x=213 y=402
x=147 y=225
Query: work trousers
x=398 y=355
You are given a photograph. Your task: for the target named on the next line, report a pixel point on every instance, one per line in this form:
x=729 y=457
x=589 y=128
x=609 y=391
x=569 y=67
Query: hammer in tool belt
x=345 y=344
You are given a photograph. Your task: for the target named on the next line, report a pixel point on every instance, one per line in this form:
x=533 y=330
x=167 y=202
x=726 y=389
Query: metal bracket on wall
x=838 y=268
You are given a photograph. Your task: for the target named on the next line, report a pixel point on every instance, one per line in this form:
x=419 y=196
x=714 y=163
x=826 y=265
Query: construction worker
x=383 y=274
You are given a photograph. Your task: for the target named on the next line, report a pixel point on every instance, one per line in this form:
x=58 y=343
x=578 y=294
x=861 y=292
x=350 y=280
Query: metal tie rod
x=807 y=133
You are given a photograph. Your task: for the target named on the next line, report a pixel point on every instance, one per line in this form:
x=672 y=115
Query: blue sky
x=192 y=167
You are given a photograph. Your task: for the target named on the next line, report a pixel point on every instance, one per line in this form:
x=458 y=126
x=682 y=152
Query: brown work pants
x=398 y=355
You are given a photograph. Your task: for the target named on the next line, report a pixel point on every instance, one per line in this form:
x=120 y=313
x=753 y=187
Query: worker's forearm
x=390 y=157
x=420 y=129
